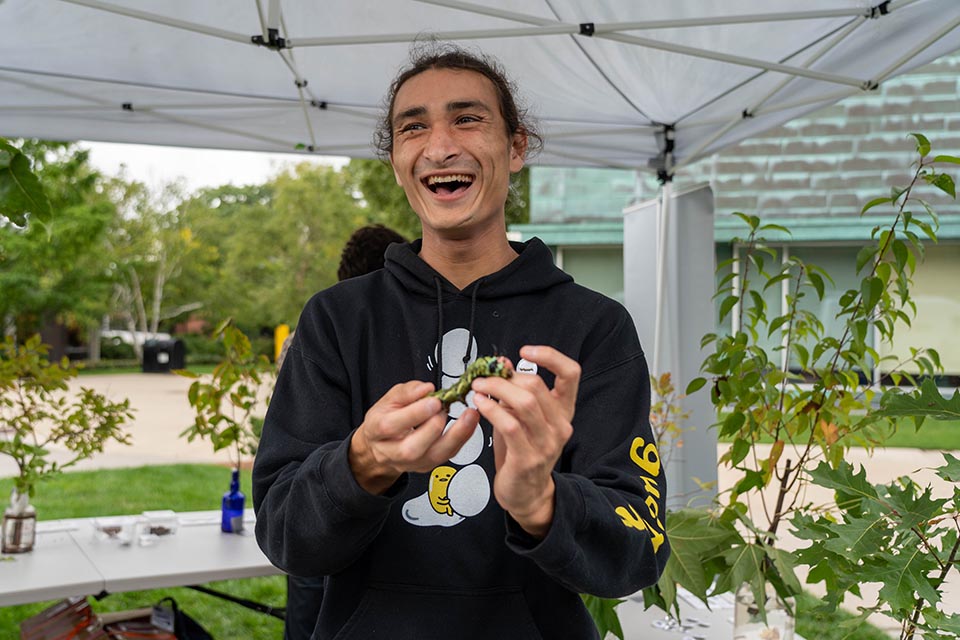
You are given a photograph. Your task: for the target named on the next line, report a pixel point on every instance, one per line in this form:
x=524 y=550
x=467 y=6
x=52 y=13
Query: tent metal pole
x=263 y=21
x=905 y=58
x=661 y=24
x=590 y=161
x=476 y=34
x=153 y=112
x=749 y=112
x=828 y=98
x=737 y=60
x=605 y=132
x=164 y=20
x=661 y=294
x=274 y=15
x=301 y=83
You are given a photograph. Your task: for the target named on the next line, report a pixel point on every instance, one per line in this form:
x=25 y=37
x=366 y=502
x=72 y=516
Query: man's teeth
x=457 y=177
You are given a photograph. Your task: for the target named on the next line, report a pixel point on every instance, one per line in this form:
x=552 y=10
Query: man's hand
x=531 y=425
x=403 y=432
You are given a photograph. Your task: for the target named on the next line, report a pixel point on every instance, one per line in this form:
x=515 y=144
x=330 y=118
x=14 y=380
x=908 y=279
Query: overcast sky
x=198 y=168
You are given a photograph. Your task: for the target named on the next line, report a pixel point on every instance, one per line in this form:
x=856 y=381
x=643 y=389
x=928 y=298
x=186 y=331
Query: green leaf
x=926 y=402
x=950 y=471
x=21 y=192
x=727 y=304
x=696 y=537
x=950 y=159
x=943 y=182
x=817 y=281
x=901 y=254
x=865 y=255
x=923 y=145
x=695 y=385
x=871 y=289
x=850 y=487
x=603 y=612
x=873 y=203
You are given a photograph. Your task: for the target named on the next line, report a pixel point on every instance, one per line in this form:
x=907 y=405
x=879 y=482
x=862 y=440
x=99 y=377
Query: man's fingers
x=565 y=369
x=405 y=407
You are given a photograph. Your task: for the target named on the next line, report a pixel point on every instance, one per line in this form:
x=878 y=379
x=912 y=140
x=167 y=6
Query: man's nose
x=442 y=146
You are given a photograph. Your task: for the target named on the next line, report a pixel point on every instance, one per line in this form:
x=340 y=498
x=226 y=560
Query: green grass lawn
x=126 y=491
x=199 y=487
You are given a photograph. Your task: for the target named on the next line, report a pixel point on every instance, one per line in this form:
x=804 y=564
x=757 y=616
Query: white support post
x=669 y=294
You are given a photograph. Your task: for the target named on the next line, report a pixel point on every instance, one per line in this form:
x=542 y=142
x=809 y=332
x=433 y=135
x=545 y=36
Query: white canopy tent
x=649 y=85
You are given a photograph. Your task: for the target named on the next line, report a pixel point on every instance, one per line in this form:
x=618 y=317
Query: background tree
x=155 y=255
x=57 y=270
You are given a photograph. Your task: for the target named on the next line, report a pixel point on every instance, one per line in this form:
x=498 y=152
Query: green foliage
x=227 y=403
x=37 y=415
x=603 y=612
x=896 y=535
x=59 y=269
x=21 y=193
x=928 y=403
x=782 y=379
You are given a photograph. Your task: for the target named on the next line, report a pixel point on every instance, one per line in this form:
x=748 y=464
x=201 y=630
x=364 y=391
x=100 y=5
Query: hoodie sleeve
x=607 y=537
x=312 y=516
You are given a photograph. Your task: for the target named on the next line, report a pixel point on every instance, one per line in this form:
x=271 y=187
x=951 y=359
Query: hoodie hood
x=533 y=270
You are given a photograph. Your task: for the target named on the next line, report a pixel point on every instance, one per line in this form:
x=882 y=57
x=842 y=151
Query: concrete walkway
x=162 y=412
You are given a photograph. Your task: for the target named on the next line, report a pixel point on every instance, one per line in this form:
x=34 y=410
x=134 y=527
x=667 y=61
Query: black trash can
x=163 y=356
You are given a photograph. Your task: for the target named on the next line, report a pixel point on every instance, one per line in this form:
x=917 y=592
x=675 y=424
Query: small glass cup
x=120 y=529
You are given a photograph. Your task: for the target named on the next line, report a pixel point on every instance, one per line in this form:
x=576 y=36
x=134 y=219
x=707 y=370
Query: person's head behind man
x=453 y=133
x=364 y=250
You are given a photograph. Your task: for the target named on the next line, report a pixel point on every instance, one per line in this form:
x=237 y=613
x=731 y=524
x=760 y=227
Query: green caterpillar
x=479 y=368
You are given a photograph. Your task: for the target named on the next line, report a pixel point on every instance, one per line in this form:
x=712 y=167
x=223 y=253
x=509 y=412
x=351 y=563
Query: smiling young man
x=484 y=518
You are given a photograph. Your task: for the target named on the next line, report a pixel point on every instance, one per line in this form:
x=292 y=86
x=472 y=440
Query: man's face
x=451 y=151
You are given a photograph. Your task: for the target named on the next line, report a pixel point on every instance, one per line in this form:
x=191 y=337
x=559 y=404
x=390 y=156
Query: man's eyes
x=419 y=126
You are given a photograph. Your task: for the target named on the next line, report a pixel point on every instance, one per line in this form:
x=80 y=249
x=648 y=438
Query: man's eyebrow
x=412 y=112
x=456 y=105
x=462 y=105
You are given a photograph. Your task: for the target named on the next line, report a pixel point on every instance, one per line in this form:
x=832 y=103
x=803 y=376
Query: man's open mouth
x=448 y=185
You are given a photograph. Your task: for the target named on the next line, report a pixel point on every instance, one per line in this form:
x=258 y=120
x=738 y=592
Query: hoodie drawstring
x=473 y=309
x=473 y=314
x=439 y=375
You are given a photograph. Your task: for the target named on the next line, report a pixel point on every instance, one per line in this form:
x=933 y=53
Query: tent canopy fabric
x=613 y=83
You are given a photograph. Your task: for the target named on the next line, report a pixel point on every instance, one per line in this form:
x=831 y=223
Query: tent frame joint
x=273 y=41
x=587 y=29
x=881 y=9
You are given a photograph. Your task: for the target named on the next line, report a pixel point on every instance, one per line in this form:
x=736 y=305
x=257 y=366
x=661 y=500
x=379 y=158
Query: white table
x=69 y=560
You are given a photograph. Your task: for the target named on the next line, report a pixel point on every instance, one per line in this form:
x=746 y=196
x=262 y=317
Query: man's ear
x=396 y=176
x=518 y=151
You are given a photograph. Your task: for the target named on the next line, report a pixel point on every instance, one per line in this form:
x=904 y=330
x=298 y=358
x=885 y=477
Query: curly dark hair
x=363 y=252
x=439 y=55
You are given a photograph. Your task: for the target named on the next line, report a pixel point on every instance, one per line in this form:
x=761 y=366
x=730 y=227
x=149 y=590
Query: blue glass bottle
x=232 y=506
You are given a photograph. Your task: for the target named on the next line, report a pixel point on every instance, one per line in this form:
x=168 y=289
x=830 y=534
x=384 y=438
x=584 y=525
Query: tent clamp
x=747 y=114
x=881 y=9
x=274 y=41
x=319 y=105
x=587 y=29
x=127 y=106
x=663 y=163
x=300 y=83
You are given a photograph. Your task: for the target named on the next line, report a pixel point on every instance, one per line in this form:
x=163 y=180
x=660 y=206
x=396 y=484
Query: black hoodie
x=436 y=556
